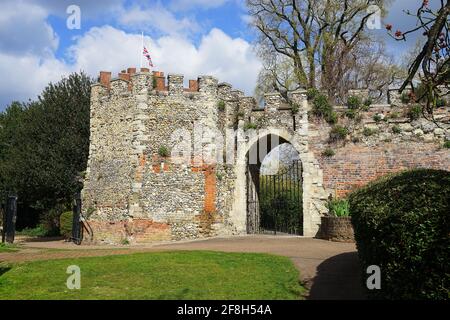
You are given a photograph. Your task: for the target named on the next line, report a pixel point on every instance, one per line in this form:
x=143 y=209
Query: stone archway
x=313 y=193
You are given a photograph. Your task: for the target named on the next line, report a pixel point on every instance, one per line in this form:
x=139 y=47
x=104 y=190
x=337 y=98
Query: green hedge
x=402 y=224
x=65 y=224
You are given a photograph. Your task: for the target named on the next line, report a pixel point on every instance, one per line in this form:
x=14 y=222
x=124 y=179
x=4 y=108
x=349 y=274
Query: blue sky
x=190 y=37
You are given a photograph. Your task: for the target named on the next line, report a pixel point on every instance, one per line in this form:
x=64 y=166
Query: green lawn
x=167 y=275
x=7 y=248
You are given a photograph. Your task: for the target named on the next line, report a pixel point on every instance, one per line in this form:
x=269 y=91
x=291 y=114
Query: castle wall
x=134 y=192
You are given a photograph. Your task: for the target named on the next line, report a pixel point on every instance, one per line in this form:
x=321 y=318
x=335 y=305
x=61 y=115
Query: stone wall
x=135 y=193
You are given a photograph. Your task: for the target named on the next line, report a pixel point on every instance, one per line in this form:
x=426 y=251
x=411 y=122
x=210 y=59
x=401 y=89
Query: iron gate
x=275 y=201
x=9 y=220
x=76 y=222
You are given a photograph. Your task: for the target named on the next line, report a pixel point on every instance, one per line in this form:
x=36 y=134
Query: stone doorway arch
x=312 y=177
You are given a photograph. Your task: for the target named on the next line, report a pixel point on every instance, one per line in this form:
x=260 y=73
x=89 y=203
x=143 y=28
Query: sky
x=189 y=37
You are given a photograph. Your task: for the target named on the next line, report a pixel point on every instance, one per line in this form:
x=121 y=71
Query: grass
x=167 y=275
x=4 y=247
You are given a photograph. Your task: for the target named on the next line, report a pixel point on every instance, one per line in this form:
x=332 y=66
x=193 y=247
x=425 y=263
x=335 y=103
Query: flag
x=148 y=57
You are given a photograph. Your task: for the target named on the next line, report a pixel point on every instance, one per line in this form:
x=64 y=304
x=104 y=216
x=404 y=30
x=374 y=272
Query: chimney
x=145 y=70
x=131 y=71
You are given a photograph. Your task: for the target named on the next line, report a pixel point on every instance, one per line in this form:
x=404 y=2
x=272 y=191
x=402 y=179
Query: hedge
x=402 y=224
x=65 y=224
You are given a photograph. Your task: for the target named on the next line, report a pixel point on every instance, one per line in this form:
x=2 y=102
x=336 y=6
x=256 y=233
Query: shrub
x=440 y=102
x=402 y=225
x=369 y=132
x=221 y=105
x=321 y=106
x=250 y=126
x=339 y=207
x=65 y=224
x=415 y=112
x=405 y=98
x=368 y=102
x=338 y=133
x=354 y=102
x=39 y=231
x=295 y=108
x=351 y=113
x=312 y=93
x=328 y=153
x=163 y=151
x=396 y=129
x=447 y=144
x=377 y=118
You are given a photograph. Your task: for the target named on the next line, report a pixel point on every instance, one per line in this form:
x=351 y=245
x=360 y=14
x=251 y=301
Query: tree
x=45 y=145
x=431 y=64
x=318 y=38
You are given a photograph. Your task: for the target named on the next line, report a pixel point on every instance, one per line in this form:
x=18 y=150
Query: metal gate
x=76 y=222
x=275 y=201
x=9 y=220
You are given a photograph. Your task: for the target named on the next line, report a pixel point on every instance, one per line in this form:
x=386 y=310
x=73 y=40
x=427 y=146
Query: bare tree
x=317 y=36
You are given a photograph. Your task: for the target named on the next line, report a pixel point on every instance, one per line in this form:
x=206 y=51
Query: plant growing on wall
x=322 y=108
x=221 y=105
x=354 y=102
x=163 y=151
x=414 y=112
x=338 y=132
x=328 y=153
x=250 y=126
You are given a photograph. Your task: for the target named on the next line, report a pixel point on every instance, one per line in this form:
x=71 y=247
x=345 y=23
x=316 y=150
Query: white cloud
x=197 y=4
x=24 y=30
x=230 y=60
x=107 y=48
x=24 y=76
x=156 y=18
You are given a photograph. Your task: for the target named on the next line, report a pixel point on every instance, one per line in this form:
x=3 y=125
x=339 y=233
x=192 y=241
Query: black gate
x=275 y=201
x=9 y=220
x=76 y=223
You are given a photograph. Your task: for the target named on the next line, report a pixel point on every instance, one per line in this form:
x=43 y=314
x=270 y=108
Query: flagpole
x=142 y=48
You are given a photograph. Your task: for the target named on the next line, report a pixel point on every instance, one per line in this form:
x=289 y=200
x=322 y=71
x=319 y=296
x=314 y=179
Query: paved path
x=329 y=269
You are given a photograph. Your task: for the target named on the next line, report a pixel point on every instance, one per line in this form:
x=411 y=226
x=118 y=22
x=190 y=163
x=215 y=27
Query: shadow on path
x=338 y=278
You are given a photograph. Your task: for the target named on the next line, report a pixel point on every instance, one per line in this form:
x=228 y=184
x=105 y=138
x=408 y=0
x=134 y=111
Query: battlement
x=132 y=80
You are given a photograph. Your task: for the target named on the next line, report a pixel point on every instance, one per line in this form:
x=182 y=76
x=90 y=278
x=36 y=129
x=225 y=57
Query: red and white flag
x=148 y=57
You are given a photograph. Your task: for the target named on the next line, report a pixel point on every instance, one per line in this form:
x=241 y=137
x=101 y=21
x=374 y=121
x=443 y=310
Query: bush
x=369 y=132
x=338 y=133
x=312 y=93
x=402 y=225
x=339 y=207
x=405 y=98
x=250 y=126
x=354 y=102
x=322 y=108
x=351 y=113
x=328 y=153
x=415 y=112
x=163 y=151
x=65 y=224
x=447 y=144
x=221 y=105
x=368 y=102
x=377 y=118
x=39 y=231
x=396 y=129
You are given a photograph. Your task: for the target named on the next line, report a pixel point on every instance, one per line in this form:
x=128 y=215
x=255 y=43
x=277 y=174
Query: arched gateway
x=169 y=163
